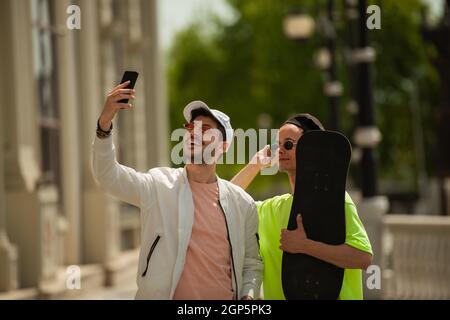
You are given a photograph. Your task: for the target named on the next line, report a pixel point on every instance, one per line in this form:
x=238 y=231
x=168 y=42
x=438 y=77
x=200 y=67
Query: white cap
x=221 y=117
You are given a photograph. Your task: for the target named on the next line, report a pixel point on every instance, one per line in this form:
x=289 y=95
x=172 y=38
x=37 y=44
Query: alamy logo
x=374 y=21
x=373 y=281
x=73 y=280
x=74 y=19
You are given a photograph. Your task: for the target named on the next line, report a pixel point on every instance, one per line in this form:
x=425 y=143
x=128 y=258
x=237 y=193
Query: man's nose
x=193 y=134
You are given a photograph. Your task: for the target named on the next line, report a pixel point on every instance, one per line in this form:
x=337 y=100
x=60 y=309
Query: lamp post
x=332 y=88
x=367 y=135
x=299 y=26
x=440 y=37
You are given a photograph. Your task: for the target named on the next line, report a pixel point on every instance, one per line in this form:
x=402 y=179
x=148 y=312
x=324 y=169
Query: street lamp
x=298 y=26
x=322 y=58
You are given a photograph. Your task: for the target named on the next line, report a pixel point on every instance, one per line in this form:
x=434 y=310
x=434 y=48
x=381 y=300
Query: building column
x=8 y=252
x=31 y=210
x=69 y=107
x=100 y=211
x=135 y=137
x=157 y=128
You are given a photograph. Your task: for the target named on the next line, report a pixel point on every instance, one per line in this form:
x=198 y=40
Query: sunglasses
x=190 y=127
x=287 y=145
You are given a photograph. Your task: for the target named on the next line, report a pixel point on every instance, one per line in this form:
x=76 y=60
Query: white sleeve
x=253 y=267
x=118 y=180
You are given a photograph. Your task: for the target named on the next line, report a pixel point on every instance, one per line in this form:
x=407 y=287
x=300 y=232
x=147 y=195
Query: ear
x=221 y=147
x=224 y=146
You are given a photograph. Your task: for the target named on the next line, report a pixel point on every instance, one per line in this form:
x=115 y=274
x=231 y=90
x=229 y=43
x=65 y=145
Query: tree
x=249 y=67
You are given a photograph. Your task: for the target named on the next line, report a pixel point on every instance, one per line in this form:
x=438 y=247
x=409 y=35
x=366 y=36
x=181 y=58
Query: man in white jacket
x=198 y=232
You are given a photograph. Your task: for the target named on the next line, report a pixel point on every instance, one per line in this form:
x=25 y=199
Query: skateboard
x=322 y=161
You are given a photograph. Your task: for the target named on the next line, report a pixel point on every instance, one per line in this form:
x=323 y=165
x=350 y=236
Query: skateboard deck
x=322 y=160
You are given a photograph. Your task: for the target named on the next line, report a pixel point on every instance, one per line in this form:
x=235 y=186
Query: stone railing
x=416 y=257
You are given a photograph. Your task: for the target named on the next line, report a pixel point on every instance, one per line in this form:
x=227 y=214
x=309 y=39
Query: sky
x=175 y=15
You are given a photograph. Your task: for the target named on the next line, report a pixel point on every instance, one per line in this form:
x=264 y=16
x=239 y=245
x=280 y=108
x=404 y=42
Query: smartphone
x=132 y=77
x=274 y=153
x=274 y=147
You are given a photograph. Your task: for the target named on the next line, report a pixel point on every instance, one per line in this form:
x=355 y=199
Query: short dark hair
x=305 y=121
x=202 y=112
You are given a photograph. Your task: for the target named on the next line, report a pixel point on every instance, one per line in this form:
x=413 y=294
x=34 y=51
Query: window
x=44 y=69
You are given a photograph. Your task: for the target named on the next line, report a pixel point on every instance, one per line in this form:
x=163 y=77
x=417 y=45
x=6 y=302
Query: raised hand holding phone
x=131 y=78
x=118 y=99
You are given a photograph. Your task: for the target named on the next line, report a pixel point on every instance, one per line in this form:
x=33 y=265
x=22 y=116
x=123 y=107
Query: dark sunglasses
x=287 y=145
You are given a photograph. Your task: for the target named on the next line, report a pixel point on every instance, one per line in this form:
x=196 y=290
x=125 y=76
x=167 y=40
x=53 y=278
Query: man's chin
x=197 y=159
x=283 y=169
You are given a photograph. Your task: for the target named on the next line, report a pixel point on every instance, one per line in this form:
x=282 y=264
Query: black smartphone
x=132 y=77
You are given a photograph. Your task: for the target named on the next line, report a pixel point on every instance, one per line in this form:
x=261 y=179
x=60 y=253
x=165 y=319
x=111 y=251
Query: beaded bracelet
x=102 y=134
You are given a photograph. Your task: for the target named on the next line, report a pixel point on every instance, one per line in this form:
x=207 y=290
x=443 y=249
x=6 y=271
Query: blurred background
x=377 y=71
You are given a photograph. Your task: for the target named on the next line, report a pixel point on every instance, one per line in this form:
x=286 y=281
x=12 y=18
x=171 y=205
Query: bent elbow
x=366 y=261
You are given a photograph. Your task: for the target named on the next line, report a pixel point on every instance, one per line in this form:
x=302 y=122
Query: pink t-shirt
x=207 y=270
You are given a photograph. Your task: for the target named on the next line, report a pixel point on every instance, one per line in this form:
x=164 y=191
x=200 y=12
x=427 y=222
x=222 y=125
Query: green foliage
x=249 y=67
x=403 y=58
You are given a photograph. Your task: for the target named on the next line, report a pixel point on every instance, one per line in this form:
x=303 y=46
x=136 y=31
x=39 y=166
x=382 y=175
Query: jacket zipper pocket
x=257 y=239
x=152 y=248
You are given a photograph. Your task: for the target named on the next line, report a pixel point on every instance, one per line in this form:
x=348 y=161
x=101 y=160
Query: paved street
x=113 y=293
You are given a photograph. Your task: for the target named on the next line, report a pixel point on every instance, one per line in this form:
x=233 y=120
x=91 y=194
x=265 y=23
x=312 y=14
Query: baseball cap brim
x=194 y=105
